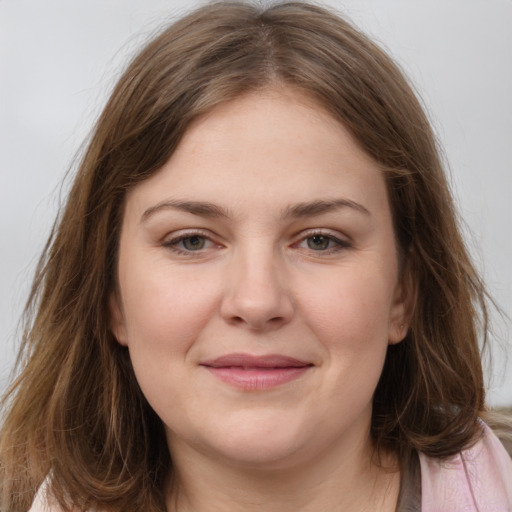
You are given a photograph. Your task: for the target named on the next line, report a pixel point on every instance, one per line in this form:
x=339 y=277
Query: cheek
x=165 y=313
x=351 y=321
x=349 y=316
x=352 y=310
x=165 y=310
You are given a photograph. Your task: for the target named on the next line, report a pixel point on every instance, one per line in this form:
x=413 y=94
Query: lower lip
x=256 y=379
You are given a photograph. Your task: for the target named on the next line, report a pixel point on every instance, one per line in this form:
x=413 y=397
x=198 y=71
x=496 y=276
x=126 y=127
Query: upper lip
x=250 y=361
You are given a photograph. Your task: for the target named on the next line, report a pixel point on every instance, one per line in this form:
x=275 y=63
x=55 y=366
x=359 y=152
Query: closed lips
x=256 y=373
x=248 y=362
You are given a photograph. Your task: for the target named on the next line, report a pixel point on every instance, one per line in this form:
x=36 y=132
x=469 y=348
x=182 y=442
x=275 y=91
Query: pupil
x=318 y=242
x=193 y=243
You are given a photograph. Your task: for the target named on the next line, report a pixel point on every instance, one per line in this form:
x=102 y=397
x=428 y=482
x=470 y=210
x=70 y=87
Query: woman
x=257 y=296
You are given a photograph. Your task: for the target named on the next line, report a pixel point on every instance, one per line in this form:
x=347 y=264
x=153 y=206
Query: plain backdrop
x=59 y=60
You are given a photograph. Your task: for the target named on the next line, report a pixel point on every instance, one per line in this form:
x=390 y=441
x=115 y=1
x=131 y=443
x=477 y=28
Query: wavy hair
x=75 y=413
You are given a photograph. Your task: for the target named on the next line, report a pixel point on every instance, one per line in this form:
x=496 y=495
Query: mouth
x=256 y=373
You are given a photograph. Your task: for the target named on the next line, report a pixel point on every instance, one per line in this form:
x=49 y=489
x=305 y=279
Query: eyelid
x=172 y=240
x=186 y=232
x=343 y=242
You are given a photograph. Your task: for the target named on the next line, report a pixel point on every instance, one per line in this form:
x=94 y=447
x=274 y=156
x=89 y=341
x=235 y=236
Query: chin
x=260 y=444
x=260 y=455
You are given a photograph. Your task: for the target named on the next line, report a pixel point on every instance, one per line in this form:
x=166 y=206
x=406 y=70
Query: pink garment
x=477 y=480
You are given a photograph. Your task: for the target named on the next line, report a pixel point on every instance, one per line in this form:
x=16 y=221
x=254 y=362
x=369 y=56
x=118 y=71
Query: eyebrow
x=299 y=210
x=201 y=208
x=312 y=208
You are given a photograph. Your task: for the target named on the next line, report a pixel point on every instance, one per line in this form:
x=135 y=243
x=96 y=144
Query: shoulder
x=43 y=501
x=477 y=479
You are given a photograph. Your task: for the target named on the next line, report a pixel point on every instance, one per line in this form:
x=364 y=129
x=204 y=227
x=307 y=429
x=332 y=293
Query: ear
x=117 y=322
x=404 y=303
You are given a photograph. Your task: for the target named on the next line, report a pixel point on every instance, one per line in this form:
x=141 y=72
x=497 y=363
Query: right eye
x=189 y=243
x=192 y=243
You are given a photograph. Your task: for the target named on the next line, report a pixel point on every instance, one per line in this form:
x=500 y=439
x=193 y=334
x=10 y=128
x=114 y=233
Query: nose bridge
x=257 y=295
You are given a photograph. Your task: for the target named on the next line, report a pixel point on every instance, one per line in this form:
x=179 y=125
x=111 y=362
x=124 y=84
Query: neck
x=332 y=482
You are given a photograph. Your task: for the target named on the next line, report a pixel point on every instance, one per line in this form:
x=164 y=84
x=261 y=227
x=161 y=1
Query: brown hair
x=76 y=413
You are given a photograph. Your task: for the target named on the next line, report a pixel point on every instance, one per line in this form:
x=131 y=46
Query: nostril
x=257 y=324
x=256 y=304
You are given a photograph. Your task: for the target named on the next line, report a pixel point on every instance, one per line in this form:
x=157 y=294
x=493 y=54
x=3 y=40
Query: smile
x=253 y=373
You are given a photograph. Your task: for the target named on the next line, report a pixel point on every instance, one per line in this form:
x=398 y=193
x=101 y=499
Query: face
x=259 y=285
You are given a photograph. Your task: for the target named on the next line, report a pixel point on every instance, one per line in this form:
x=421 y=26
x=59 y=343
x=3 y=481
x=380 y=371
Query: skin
x=258 y=274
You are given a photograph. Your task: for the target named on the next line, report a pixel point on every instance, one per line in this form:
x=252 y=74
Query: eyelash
x=340 y=245
x=173 y=243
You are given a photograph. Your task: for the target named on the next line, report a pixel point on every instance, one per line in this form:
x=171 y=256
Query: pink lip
x=252 y=373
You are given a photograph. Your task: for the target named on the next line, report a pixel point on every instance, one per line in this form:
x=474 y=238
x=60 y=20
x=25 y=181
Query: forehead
x=265 y=120
x=266 y=148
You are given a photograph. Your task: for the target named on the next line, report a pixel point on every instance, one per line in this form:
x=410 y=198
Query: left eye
x=319 y=242
x=322 y=243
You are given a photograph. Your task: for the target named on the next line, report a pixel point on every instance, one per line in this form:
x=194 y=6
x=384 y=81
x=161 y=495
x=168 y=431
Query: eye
x=322 y=243
x=193 y=243
x=319 y=242
x=189 y=243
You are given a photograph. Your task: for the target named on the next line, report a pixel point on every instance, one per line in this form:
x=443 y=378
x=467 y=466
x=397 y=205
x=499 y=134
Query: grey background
x=59 y=59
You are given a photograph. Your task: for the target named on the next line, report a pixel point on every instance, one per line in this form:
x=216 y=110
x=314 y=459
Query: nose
x=256 y=295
